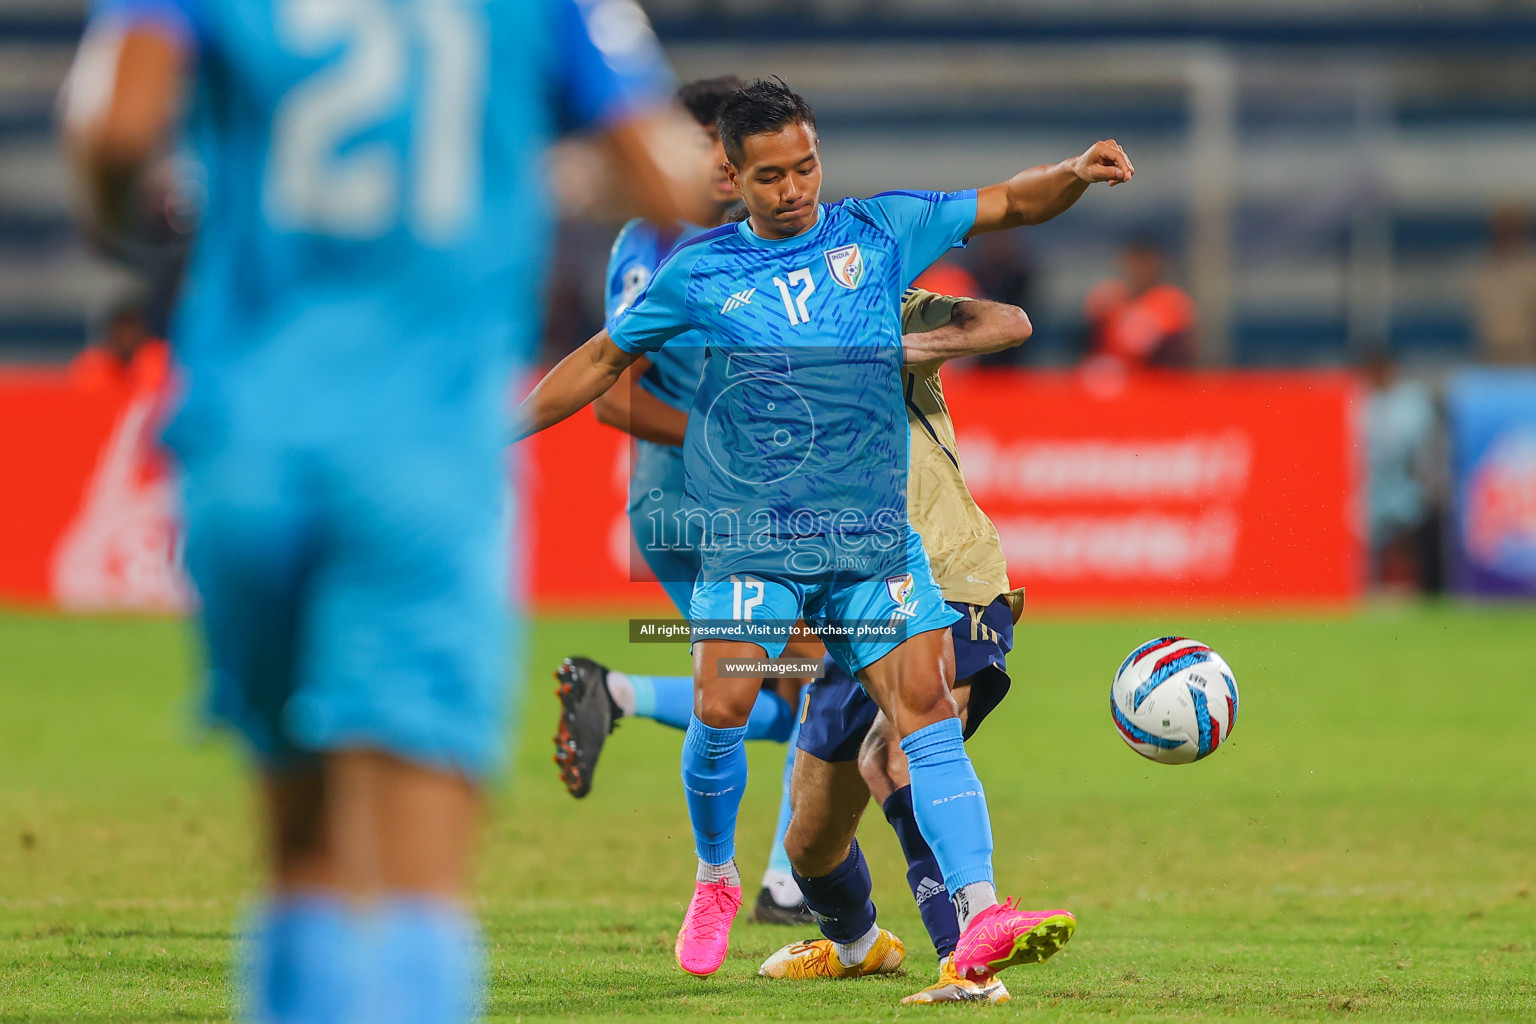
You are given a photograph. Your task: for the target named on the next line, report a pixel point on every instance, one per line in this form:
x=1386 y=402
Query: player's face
x=780 y=180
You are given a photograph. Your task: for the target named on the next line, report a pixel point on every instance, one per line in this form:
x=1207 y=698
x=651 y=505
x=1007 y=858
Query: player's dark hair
x=761 y=108
x=704 y=98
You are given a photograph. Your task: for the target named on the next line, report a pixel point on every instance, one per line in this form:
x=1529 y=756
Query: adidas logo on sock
x=927 y=889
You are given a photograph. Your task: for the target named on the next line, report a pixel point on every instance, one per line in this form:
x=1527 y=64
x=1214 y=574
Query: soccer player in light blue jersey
x=796 y=461
x=651 y=403
x=364 y=284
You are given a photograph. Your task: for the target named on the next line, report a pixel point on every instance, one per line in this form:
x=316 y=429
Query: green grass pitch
x=1361 y=849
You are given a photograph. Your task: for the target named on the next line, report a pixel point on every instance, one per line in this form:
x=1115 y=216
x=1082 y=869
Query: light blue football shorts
x=860 y=620
x=354 y=600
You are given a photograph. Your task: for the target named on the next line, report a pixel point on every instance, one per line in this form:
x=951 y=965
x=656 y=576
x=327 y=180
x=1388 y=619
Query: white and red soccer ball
x=1174 y=700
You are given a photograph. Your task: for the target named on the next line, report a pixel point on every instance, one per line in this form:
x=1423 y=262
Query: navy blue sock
x=714 y=778
x=840 y=900
x=923 y=874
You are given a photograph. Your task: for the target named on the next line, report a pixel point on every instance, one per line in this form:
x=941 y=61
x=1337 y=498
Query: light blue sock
x=778 y=860
x=426 y=965
x=667 y=699
x=305 y=962
x=714 y=778
x=949 y=803
x=771 y=719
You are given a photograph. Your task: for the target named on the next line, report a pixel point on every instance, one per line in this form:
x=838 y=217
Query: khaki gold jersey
x=962 y=544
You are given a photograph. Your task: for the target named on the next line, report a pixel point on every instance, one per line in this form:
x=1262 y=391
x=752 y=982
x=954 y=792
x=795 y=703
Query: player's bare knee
x=924 y=705
x=719 y=708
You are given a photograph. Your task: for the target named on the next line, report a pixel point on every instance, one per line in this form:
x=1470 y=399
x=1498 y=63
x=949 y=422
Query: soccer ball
x=1174 y=700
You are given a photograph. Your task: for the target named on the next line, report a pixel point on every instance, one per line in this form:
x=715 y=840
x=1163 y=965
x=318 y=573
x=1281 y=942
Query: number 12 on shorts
x=746 y=596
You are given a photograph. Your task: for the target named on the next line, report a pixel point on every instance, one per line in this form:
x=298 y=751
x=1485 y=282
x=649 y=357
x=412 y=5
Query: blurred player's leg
x=326 y=652
x=306 y=958
x=249 y=549
x=366 y=829
x=830 y=798
x=403 y=834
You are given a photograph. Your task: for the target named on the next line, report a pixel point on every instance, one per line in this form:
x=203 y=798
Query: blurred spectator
x=129 y=357
x=1003 y=274
x=1504 y=292
x=1139 y=319
x=1400 y=436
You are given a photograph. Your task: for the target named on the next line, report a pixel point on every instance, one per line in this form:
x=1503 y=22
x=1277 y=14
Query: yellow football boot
x=951 y=988
x=818 y=959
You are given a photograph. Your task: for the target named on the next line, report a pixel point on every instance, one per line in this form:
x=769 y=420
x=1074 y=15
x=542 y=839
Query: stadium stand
x=1306 y=163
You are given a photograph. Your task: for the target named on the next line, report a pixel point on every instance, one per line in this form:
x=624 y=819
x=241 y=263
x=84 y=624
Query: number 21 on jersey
x=425 y=57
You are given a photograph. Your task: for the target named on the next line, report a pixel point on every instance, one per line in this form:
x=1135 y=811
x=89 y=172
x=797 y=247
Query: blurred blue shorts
x=354 y=600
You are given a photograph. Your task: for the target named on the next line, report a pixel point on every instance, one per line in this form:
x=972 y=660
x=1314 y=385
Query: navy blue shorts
x=837 y=713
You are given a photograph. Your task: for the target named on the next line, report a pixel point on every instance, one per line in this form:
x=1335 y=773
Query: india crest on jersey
x=846 y=263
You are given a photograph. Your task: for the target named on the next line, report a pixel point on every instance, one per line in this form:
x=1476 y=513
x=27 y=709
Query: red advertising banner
x=1230 y=488
x=86 y=510
x=580 y=555
x=1204 y=488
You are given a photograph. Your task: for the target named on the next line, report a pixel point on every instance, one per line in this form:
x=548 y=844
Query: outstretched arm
x=575 y=381
x=1036 y=195
x=637 y=412
x=645 y=172
x=975 y=328
x=121 y=103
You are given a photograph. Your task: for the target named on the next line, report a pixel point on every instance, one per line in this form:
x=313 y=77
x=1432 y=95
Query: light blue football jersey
x=638 y=250
x=375 y=226
x=797 y=439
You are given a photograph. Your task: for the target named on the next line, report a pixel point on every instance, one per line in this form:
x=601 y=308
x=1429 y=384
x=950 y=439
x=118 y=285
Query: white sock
x=782 y=888
x=720 y=873
x=622 y=691
x=858 y=949
x=973 y=899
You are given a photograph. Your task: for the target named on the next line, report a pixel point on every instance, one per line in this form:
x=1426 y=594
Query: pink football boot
x=706 y=932
x=1003 y=935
